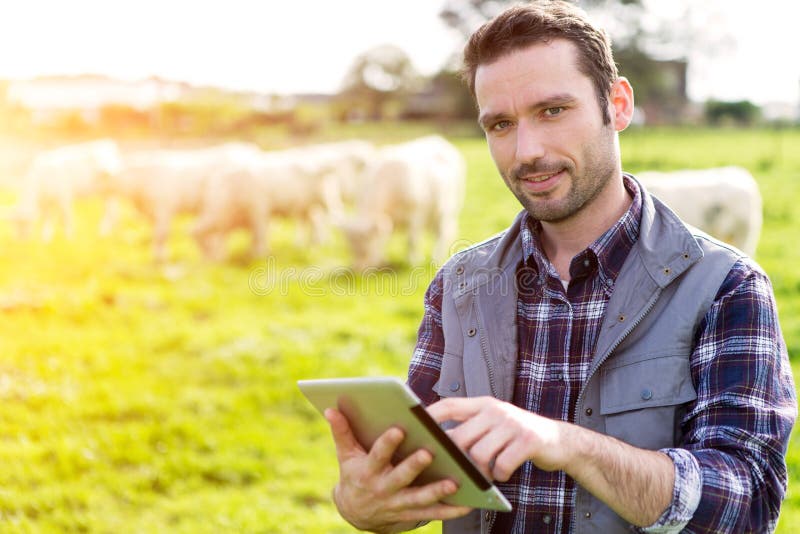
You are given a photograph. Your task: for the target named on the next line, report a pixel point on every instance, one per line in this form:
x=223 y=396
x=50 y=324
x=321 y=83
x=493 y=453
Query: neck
x=563 y=240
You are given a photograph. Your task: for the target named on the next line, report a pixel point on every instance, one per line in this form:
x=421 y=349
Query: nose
x=530 y=142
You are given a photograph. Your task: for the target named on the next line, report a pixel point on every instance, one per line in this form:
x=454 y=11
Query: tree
x=381 y=75
x=740 y=112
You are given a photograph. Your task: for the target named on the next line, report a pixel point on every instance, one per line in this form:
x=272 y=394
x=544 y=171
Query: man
x=608 y=366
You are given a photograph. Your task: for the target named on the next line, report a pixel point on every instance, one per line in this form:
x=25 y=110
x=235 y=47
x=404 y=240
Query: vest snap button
x=460 y=269
x=588 y=515
x=454 y=386
x=589 y=411
x=471 y=332
x=647 y=394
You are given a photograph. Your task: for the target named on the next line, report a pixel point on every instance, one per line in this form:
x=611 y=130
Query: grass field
x=144 y=398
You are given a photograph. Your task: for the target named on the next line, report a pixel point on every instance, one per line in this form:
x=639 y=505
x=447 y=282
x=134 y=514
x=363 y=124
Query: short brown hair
x=539 y=22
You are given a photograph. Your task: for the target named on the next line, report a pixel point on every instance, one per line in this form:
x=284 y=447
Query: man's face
x=545 y=129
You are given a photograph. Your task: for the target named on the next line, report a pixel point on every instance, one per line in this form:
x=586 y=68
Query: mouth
x=541 y=182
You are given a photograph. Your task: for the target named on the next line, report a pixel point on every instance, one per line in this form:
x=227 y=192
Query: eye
x=500 y=125
x=552 y=112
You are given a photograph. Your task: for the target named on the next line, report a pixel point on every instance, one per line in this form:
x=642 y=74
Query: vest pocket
x=451 y=377
x=642 y=401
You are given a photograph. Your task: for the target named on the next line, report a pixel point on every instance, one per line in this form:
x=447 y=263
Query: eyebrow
x=551 y=101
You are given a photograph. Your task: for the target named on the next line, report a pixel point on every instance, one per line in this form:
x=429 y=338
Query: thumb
x=347 y=446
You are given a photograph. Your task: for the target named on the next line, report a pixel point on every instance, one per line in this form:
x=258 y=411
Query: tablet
x=372 y=405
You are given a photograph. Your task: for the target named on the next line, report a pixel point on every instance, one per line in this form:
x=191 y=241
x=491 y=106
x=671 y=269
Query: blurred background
x=151 y=388
x=149 y=68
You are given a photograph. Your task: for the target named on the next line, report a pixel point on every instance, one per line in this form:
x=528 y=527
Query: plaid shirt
x=730 y=471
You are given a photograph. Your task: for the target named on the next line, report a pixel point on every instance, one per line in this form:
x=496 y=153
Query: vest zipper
x=616 y=344
x=485 y=351
x=490 y=522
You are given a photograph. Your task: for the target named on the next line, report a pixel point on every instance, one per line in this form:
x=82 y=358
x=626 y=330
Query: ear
x=621 y=103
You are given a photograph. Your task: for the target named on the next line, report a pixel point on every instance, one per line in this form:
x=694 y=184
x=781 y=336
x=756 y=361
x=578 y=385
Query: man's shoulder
x=491 y=252
x=488 y=245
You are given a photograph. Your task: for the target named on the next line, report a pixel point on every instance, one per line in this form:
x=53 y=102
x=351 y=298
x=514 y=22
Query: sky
x=306 y=46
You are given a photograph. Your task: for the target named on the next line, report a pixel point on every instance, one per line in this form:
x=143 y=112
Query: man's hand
x=500 y=436
x=372 y=494
x=636 y=483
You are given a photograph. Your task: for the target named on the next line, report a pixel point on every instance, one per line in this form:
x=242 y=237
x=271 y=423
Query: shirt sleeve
x=730 y=466
x=426 y=364
x=686 y=494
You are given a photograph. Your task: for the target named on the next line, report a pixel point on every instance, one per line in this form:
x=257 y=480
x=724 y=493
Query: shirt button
x=589 y=411
x=647 y=394
x=454 y=386
x=547 y=519
x=586 y=262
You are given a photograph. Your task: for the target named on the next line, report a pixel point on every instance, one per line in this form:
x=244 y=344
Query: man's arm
x=635 y=483
x=738 y=429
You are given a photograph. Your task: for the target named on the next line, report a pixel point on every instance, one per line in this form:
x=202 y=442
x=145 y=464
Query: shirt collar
x=608 y=251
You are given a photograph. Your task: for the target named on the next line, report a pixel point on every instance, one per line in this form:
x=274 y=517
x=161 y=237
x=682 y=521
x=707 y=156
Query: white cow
x=346 y=161
x=416 y=185
x=162 y=184
x=723 y=202
x=57 y=177
x=288 y=183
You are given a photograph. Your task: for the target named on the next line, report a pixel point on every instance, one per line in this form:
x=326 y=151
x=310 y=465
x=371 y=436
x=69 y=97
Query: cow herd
x=353 y=186
x=365 y=191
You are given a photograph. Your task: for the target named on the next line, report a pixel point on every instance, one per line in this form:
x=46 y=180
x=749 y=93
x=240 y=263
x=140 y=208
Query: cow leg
x=447 y=230
x=161 y=226
x=110 y=216
x=318 y=226
x=260 y=229
x=415 y=227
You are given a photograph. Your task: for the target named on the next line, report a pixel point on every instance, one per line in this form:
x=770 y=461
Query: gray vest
x=639 y=382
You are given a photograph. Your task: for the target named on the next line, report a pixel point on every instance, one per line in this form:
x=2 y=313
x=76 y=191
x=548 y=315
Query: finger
x=457 y=409
x=419 y=497
x=347 y=446
x=509 y=460
x=471 y=430
x=485 y=451
x=433 y=513
x=380 y=455
x=408 y=470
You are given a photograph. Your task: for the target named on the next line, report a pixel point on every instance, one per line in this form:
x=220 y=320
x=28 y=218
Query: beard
x=600 y=164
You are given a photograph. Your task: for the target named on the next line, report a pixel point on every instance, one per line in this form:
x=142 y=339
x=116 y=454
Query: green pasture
x=161 y=398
